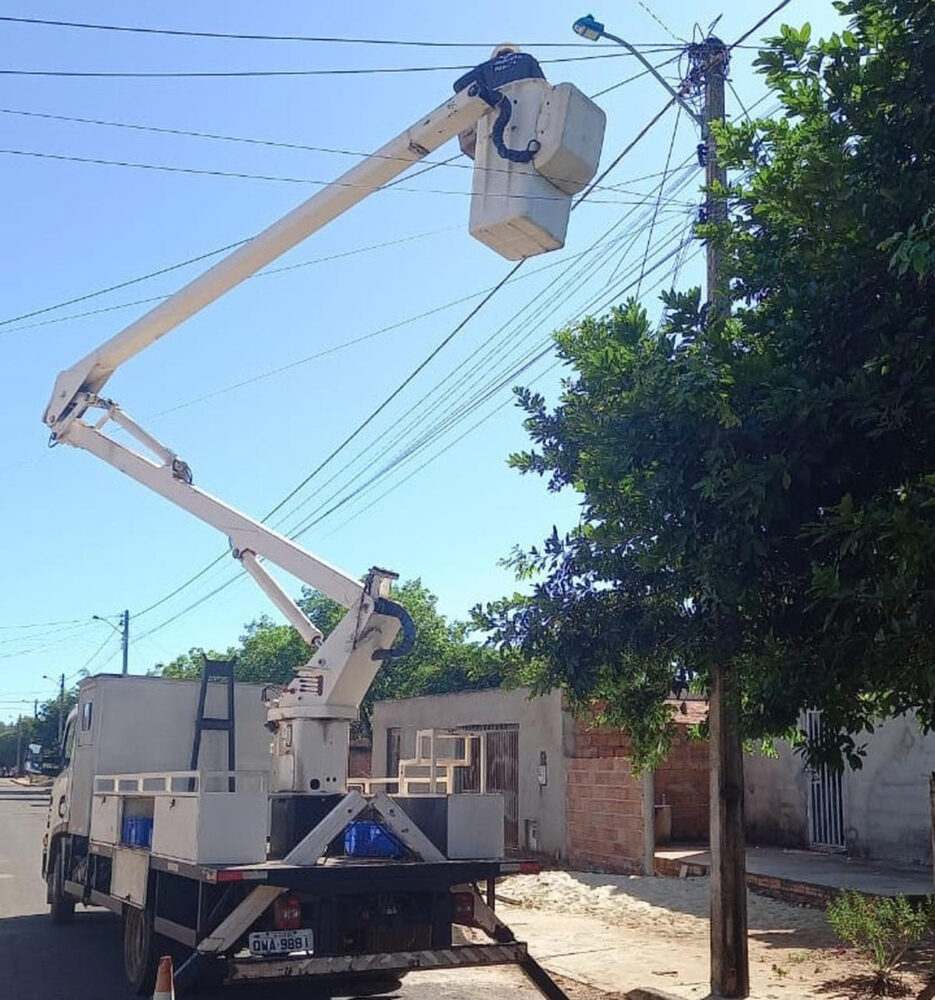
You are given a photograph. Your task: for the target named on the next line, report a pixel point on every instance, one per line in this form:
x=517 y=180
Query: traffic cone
x=164 y=988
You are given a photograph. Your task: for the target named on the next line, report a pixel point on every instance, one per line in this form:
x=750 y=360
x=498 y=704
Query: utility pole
x=125 y=638
x=730 y=970
x=61 y=708
x=19 y=745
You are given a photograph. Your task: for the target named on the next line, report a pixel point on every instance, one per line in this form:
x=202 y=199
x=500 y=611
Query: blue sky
x=81 y=539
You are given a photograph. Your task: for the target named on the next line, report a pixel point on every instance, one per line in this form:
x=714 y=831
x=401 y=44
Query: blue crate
x=366 y=839
x=137 y=831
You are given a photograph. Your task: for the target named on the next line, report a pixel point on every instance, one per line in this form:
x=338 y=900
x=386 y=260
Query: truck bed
x=338 y=873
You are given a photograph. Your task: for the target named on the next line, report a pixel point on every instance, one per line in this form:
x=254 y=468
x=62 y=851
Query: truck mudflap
x=244 y=970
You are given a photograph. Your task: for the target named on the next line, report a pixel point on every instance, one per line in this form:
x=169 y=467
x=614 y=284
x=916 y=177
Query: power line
x=274 y=143
x=759 y=24
x=255 y=73
x=230 y=246
x=333 y=39
x=552 y=291
x=399 y=388
x=238 y=577
x=239 y=175
x=260 y=274
x=65 y=621
x=652 y=224
x=123 y=284
x=203 y=598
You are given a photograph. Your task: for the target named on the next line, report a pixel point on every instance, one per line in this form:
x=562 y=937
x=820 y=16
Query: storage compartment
x=475 y=826
x=105 y=818
x=213 y=825
x=136 y=823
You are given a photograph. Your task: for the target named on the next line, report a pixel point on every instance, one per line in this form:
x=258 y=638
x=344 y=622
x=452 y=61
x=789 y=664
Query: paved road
x=83 y=961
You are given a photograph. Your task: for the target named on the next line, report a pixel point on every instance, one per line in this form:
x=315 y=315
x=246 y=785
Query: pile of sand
x=667 y=905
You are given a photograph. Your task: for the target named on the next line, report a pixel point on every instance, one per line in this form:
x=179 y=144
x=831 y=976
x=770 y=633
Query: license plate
x=280 y=942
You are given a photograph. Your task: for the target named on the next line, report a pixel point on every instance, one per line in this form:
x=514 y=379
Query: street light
x=590 y=28
x=123 y=630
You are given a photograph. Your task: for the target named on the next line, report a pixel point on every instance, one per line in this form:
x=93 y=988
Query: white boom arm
x=75 y=385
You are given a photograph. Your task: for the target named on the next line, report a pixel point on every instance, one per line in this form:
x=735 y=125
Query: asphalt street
x=83 y=961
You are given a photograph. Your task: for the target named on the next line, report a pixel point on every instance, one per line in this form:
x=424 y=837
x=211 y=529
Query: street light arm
x=592 y=29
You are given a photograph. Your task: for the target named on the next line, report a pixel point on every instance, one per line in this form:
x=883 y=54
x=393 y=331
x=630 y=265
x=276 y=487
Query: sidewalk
x=809 y=877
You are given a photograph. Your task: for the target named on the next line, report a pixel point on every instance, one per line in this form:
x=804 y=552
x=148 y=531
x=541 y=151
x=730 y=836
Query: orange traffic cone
x=164 y=988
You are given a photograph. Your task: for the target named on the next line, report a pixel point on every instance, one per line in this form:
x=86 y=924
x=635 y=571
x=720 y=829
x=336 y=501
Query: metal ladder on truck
x=216 y=670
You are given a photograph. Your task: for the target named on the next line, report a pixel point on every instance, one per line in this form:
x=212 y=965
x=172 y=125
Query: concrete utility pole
x=61 y=708
x=125 y=638
x=730 y=970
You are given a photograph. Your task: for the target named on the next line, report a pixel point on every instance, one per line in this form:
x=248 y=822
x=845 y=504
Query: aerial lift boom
x=534 y=145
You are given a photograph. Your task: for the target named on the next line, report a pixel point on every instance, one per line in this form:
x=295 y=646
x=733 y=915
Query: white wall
x=776 y=803
x=541 y=727
x=886 y=803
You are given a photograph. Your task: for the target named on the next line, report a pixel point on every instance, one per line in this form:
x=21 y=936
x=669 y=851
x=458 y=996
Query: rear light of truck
x=462 y=908
x=287 y=913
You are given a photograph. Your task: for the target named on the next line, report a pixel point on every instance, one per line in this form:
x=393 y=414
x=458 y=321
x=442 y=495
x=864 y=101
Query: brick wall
x=604 y=803
x=683 y=780
x=358 y=760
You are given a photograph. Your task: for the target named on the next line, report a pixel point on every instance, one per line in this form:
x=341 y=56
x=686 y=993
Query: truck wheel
x=61 y=905
x=139 y=950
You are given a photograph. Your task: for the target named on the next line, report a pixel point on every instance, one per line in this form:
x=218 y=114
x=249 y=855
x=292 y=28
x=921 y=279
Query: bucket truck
x=244 y=863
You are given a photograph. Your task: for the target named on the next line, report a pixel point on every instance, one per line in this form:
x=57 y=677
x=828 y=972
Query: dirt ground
x=662 y=929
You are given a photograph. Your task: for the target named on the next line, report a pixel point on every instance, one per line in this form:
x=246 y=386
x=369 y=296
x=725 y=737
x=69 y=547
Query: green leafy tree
x=758 y=491
x=442 y=660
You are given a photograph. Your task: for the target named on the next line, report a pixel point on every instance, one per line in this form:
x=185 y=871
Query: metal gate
x=826 y=801
x=502 y=757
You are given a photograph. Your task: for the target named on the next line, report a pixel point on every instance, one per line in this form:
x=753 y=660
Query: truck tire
x=140 y=957
x=61 y=905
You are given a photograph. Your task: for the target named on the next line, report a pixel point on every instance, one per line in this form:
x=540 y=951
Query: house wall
x=776 y=801
x=886 y=803
x=683 y=784
x=542 y=727
x=887 y=814
x=604 y=801
x=358 y=760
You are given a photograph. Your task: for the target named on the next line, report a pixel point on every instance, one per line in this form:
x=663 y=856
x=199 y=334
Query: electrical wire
x=379 y=499
x=211 y=253
x=257 y=73
x=266 y=272
x=643 y=269
x=64 y=621
x=239 y=577
x=240 y=175
x=487 y=351
x=665 y=169
x=216 y=590
x=331 y=39
x=759 y=24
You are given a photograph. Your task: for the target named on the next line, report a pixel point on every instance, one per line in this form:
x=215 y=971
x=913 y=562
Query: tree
x=759 y=490
x=442 y=660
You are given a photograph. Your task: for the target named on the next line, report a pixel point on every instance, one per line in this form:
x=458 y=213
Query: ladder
x=216 y=670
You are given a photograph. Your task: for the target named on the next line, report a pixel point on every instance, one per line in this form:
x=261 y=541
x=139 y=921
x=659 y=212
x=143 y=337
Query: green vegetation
x=882 y=929
x=758 y=490
x=443 y=659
